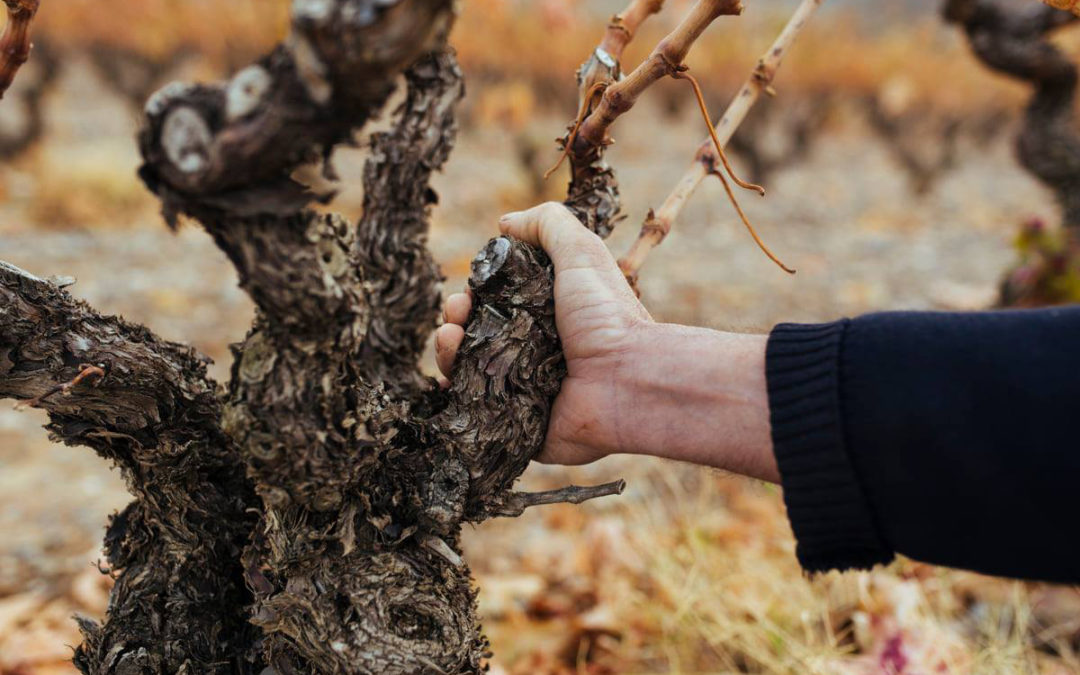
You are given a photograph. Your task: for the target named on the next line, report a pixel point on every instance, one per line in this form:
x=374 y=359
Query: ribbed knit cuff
x=830 y=515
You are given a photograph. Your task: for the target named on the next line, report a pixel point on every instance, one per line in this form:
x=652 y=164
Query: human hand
x=633 y=385
x=599 y=320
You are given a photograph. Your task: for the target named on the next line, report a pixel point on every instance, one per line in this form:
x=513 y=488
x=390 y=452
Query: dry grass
x=697 y=575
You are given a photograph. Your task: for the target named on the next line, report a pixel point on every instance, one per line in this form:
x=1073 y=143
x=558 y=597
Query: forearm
x=697 y=395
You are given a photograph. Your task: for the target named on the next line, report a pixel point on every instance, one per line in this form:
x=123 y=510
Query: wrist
x=696 y=395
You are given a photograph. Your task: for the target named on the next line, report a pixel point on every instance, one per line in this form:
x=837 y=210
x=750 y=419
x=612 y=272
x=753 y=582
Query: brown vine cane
x=15 y=42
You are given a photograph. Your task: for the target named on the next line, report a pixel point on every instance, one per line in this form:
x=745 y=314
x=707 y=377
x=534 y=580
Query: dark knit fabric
x=950 y=438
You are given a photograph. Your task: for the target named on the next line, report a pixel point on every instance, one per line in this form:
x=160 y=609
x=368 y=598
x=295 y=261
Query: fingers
x=457 y=308
x=571 y=245
x=552 y=227
x=448 y=337
x=541 y=225
x=447 y=342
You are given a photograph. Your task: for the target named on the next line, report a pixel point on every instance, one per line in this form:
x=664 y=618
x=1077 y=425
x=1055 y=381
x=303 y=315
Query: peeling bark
x=178 y=601
x=402 y=280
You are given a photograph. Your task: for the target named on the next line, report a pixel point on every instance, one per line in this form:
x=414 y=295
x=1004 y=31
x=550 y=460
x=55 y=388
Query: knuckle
x=553 y=212
x=550 y=208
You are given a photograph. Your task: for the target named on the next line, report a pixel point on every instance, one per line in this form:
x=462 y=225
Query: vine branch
x=233 y=147
x=148 y=406
x=658 y=223
x=15 y=42
x=603 y=65
x=593 y=194
x=664 y=60
x=514 y=504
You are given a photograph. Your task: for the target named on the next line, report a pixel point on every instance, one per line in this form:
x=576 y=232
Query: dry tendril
x=679 y=73
x=586 y=105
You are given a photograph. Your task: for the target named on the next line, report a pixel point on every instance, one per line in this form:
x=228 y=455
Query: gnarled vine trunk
x=1015 y=41
x=306 y=518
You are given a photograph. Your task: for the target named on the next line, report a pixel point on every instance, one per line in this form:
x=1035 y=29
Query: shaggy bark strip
x=146 y=405
x=593 y=194
x=706 y=161
x=1015 y=41
x=402 y=280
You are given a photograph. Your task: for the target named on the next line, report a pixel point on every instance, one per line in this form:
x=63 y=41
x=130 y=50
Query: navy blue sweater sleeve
x=950 y=438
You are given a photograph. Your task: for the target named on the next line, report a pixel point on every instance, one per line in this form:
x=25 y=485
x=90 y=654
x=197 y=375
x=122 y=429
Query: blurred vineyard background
x=892 y=184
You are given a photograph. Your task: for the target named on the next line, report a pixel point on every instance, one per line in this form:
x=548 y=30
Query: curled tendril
x=586 y=105
x=680 y=73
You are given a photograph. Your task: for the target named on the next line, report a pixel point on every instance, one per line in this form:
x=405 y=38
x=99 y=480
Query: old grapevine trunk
x=179 y=595
x=306 y=518
x=1014 y=40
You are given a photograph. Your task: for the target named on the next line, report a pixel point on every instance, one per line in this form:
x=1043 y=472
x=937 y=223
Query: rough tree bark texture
x=149 y=408
x=306 y=518
x=1015 y=41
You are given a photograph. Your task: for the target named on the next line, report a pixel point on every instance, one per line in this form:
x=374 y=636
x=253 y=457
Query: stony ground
x=690 y=571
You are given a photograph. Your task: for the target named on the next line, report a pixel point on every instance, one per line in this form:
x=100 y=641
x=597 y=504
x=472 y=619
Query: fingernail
x=507 y=217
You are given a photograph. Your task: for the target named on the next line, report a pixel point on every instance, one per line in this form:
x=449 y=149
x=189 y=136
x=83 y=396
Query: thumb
x=562 y=236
